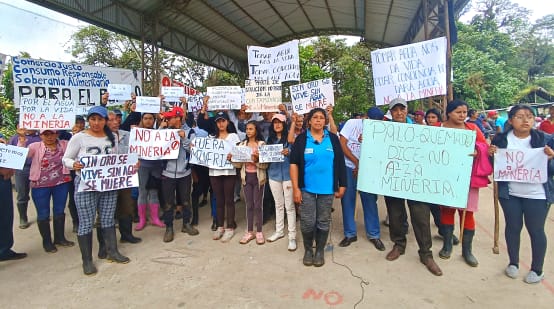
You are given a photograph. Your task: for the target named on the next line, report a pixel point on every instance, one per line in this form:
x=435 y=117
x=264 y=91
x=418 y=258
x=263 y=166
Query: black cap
x=221 y=115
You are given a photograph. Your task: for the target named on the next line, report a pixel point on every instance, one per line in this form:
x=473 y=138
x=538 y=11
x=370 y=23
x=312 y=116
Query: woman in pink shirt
x=49 y=180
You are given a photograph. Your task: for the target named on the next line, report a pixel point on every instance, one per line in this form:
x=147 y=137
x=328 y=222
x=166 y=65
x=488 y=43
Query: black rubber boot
x=308 y=238
x=126 y=231
x=447 y=233
x=111 y=246
x=466 y=248
x=44 y=229
x=320 y=242
x=85 y=244
x=102 y=254
x=23 y=220
x=59 y=229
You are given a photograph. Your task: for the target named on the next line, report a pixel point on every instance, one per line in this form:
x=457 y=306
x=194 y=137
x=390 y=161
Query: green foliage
x=8 y=117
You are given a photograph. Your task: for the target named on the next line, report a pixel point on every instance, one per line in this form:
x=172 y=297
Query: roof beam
x=281 y=17
x=232 y=23
x=254 y=20
x=330 y=14
x=387 y=22
x=301 y=6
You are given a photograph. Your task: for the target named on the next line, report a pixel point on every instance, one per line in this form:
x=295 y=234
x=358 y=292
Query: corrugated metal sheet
x=217 y=32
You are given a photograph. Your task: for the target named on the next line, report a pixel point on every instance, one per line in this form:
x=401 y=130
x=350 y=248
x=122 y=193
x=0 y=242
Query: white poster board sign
x=262 y=95
x=241 y=154
x=307 y=96
x=151 y=144
x=211 y=152
x=281 y=63
x=224 y=97
x=108 y=172
x=271 y=153
x=148 y=104
x=83 y=84
x=120 y=92
x=13 y=156
x=172 y=94
x=194 y=103
x=521 y=165
x=37 y=114
x=411 y=71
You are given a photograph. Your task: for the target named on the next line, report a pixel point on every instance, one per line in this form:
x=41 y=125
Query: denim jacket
x=279 y=171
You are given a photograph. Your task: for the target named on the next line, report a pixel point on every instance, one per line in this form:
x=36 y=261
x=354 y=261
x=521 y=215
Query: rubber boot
x=126 y=231
x=142 y=217
x=447 y=233
x=44 y=229
x=111 y=246
x=320 y=242
x=194 y=220
x=466 y=248
x=23 y=220
x=154 y=215
x=59 y=229
x=85 y=244
x=102 y=254
x=308 y=238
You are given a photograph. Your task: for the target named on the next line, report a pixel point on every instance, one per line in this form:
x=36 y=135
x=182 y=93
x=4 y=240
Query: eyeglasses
x=524 y=117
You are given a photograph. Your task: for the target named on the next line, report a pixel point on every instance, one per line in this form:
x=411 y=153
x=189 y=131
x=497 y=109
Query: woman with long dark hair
x=98 y=139
x=527 y=203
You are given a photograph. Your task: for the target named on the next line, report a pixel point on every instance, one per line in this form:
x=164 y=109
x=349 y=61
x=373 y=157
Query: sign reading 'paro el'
x=421 y=163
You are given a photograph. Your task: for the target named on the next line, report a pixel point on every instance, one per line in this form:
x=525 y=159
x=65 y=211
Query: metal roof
x=217 y=32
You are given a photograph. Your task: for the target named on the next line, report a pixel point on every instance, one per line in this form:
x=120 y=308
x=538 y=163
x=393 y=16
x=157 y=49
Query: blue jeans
x=369 y=205
x=6 y=217
x=42 y=196
x=533 y=212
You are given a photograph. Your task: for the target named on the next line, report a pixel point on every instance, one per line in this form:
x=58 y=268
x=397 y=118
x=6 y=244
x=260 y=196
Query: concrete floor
x=198 y=272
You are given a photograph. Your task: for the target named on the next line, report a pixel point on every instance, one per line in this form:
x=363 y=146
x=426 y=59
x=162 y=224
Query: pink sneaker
x=248 y=236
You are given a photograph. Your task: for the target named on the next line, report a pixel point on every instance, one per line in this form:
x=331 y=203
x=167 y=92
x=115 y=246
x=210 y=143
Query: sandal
x=246 y=238
x=260 y=240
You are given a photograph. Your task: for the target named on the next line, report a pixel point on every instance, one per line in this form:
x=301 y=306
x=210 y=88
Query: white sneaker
x=275 y=236
x=512 y=271
x=229 y=233
x=218 y=233
x=292 y=245
x=236 y=199
x=532 y=277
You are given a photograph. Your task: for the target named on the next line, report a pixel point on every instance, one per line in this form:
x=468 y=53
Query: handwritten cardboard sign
x=411 y=71
x=52 y=114
x=120 y=92
x=281 y=63
x=224 y=97
x=307 y=96
x=151 y=144
x=421 y=163
x=13 y=156
x=194 y=103
x=271 y=153
x=521 y=165
x=262 y=95
x=108 y=172
x=172 y=94
x=241 y=154
x=211 y=152
x=148 y=104
x=82 y=84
